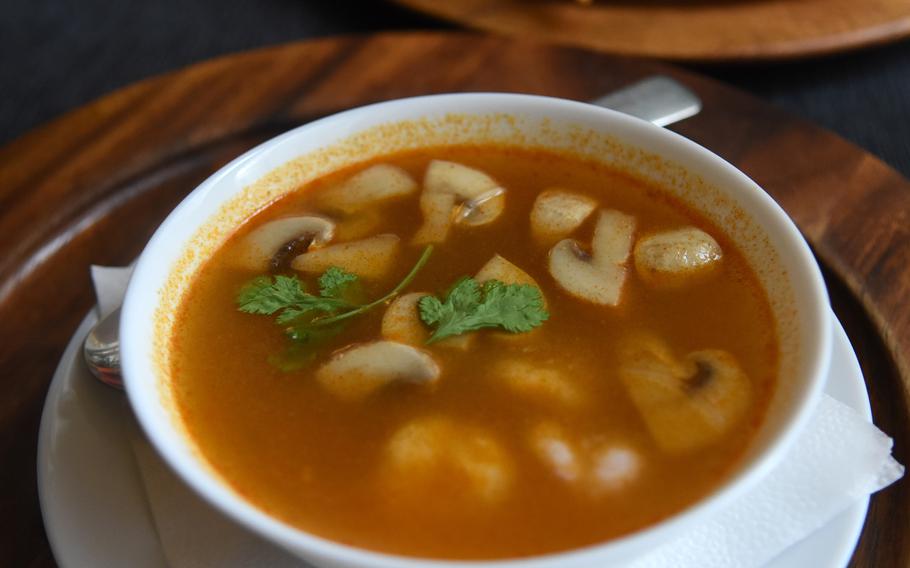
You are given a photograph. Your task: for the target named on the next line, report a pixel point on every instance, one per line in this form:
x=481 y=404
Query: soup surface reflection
x=634 y=398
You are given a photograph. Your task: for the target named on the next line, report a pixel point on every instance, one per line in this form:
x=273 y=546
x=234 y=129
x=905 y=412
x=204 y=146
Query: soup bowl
x=768 y=239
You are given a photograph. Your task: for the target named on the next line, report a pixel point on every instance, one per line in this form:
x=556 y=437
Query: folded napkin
x=839 y=459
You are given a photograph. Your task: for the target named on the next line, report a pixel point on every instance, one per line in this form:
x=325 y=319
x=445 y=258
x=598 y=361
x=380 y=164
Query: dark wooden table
x=91 y=186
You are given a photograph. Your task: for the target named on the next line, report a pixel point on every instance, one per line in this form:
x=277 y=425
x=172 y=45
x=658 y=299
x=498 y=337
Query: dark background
x=59 y=54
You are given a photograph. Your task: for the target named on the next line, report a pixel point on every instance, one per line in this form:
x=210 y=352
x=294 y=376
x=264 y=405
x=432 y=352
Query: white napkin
x=839 y=459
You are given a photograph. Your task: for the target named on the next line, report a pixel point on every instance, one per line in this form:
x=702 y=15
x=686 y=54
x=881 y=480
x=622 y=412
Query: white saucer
x=94 y=503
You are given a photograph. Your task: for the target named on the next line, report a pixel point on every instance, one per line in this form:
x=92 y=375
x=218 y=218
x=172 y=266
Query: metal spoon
x=657 y=99
x=101 y=350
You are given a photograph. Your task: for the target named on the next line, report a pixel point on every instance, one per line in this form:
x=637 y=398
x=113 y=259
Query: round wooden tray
x=91 y=187
x=692 y=30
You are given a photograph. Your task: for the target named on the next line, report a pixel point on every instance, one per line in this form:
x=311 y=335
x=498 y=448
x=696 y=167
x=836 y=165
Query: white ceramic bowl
x=770 y=241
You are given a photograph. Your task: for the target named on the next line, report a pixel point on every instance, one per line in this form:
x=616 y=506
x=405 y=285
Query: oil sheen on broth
x=601 y=421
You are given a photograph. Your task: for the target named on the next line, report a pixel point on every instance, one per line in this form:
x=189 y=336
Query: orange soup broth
x=312 y=460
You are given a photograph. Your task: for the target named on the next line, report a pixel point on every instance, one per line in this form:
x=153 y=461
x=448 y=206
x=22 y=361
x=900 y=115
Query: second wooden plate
x=693 y=30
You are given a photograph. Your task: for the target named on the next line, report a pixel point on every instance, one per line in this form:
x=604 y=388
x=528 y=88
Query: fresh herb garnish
x=310 y=319
x=470 y=306
x=286 y=296
x=335 y=282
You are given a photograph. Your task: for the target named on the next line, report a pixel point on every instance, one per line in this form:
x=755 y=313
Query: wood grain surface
x=693 y=30
x=91 y=186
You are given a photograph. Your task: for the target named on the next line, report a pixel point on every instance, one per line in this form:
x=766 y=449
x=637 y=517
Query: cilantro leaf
x=334 y=282
x=432 y=311
x=284 y=294
x=468 y=306
x=518 y=306
x=263 y=296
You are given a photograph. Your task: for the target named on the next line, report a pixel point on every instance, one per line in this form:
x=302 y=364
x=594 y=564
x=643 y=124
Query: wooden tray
x=91 y=187
x=692 y=30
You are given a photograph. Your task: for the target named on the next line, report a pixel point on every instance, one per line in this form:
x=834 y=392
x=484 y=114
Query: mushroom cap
x=259 y=246
x=359 y=370
x=482 y=199
x=557 y=213
x=674 y=257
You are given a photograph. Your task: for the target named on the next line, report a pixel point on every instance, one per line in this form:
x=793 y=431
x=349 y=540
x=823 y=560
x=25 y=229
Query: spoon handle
x=101 y=350
x=658 y=99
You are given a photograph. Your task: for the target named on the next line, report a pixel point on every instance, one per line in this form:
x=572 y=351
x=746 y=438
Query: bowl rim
x=217 y=493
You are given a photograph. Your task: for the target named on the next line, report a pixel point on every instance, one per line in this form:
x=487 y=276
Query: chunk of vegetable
x=557 y=213
x=359 y=370
x=371 y=186
x=597 y=277
x=498 y=268
x=371 y=258
x=358 y=225
x=687 y=403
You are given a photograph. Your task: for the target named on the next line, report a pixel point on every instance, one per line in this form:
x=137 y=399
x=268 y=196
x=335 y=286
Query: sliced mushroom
x=481 y=197
x=689 y=403
x=437 y=210
x=593 y=466
x=260 y=246
x=597 y=277
x=674 y=257
x=476 y=199
x=612 y=238
x=401 y=322
x=370 y=258
x=357 y=371
x=557 y=213
x=371 y=186
x=482 y=209
x=434 y=453
x=540 y=383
